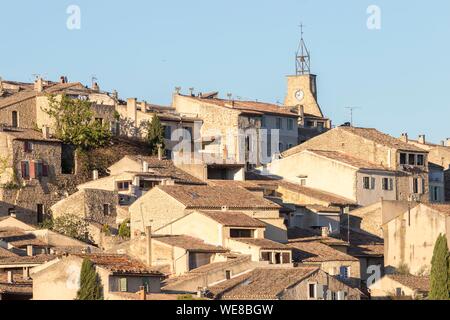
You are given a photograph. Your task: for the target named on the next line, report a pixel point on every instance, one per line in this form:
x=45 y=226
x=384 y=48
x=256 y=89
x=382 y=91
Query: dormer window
x=420 y=160
x=412 y=159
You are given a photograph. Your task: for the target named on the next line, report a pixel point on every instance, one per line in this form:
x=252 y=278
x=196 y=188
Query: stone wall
x=26 y=111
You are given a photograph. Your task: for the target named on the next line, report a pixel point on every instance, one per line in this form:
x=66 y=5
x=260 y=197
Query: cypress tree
x=90 y=284
x=439 y=277
x=155 y=135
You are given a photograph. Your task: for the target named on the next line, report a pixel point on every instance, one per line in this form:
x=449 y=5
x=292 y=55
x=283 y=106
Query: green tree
x=124 y=229
x=155 y=135
x=439 y=277
x=90 y=284
x=72 y=226
x=74 y=123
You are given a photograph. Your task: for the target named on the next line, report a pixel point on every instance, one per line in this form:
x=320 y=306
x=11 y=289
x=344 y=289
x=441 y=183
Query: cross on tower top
x=302 y=57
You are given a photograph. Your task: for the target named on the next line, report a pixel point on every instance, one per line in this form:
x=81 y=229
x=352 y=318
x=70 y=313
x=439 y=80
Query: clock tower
x=302 y=88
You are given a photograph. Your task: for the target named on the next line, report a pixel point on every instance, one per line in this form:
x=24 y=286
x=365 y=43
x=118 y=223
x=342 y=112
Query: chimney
x=144 y=166
x=115 y=95
x=95 y=86
x=325 y=232
x=404 y=137
x=132 y=110
x=1 y=84
x=10 y=278
x=26 y=274
x=45 y=132
x=39 y=85
x=160 y=151
x=422 y=139
x=447 y=142
x=62 y=79
x=443 y=143
x=30 y=250
x=148 y=234
x=94 y=174
x=177 y=90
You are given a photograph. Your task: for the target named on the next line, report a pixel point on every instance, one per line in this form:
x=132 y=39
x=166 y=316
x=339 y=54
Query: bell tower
x=302 y=88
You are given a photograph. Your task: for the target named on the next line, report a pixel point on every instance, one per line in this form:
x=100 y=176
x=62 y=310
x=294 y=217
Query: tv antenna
x=352 y=110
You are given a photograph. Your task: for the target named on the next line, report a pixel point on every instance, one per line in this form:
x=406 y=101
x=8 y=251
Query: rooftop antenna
x=302 y=56
x=352 y=109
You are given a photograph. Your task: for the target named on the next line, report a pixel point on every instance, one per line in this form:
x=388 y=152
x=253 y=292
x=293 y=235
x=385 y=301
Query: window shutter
x=25 y=146
x=24 y=169
x=372 y=183
x=32 y=170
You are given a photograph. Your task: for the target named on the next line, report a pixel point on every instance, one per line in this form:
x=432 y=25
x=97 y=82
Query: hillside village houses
x=250 y=200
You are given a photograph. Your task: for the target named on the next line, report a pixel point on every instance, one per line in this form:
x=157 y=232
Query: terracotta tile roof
x=166 y=168
x=212 y=197
x=18 y=238
x=315 y=251
x=301 y=234
x=381 y=138
x=443 y=208
x=249 y=185
x=264 y=244
x=363 y=244
x=347 y=159
x=234 y=219
x=26 y=134
x=261 y=284
x=120 y=264
x=188 y=243
x=28 y=260
x=315 y=193
x=19 y=285
x=421 y=284
x=5 y=253
x=319 y=208
x=250 y=106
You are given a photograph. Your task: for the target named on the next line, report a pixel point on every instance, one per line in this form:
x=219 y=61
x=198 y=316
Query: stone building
x=59 y=280
x=301 y=283
x=372 y=146
x=164 y=204
x=29 y=173
x=410 y=236
x=400 y=287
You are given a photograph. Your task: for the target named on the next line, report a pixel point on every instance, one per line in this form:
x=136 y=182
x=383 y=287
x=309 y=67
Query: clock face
x=299 y=95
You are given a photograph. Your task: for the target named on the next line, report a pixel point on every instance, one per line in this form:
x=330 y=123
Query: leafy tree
x=124 y=229
x=90 y=283
x=47 y=224
x=74 y=124
x=439 y=277
x=155 y=135
x=72 y=226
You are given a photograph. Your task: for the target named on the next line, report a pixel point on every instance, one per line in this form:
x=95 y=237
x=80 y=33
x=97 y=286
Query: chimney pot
x=422 y=139
x=30 y=250
x=447 y=142
x=144 y=166
x=404 y=137
x=160 y=151
x=39 y=85
x=95 y=175
x=10 y=277
x=45 y=132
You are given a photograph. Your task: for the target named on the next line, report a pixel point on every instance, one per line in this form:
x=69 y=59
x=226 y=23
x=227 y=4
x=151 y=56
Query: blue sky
x=399 y=76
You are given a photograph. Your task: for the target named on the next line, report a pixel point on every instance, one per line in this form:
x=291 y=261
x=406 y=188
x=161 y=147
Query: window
x=420 y=160
x=25 y=168
x=290 y=124
x=412 y=159
x=241 y=233
x=40 y=213
x=123 y=285
x=309 y=124
x=344 y=272
x=28 y=146
x=388 y=184
x=168 y=132
x=106 y=209
x=228 y=274
x=279 y=123
x=320 y=125
x=265 y=256
x=312 y=292
x=12 y=212
x=123 y=185
x=403 y=158
x=14 y=119
x=369 y=183
x=415 y=185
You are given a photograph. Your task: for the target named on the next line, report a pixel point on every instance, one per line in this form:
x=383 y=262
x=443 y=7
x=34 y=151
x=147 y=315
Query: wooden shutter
x=24 y=167
x=32 y=170
x=45 y=170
